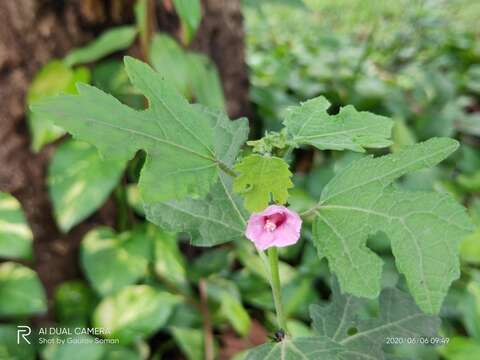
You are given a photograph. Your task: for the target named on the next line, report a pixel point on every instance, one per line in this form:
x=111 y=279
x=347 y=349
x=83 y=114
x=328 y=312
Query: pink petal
x=286 y=233
x=273 y=209
x=286 y=236
x=265 y=240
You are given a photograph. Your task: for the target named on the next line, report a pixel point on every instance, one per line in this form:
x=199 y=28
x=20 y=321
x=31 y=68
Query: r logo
x=24 y=331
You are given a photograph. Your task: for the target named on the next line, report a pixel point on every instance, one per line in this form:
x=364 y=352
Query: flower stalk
x=276 y=287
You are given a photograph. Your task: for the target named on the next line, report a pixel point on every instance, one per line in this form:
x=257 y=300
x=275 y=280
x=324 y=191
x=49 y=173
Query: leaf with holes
x=262 y=177
x=350 y=129
x=179 y=139
x=425 y=229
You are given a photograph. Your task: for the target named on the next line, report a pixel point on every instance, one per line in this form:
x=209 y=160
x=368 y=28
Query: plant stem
x=146 y=23
x=310 y=211
x=207 y=324
x=123 y=221
x=276 y=287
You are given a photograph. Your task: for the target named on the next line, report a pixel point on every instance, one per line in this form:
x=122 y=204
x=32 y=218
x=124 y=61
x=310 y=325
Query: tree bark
x=221 y=36
x=32 y=32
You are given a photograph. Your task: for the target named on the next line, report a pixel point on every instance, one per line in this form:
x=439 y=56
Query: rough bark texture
x=34 y=31
x=221 y=36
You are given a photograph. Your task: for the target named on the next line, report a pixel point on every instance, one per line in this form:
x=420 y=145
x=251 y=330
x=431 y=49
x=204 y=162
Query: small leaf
x=15 y=235
x=53 y=79
x=261 y=177
x=112 y=261
x=179 y=141
x=226 y=294
x=79 y=182
x=111 y=77
x=22 y=292
x=424 y=228
x=110 y=41
x=185 y=315
x=236 y=314
x=194 y=75
x=134 y=313
x=190 y=342
x=171 y=61
x=169 y=261
x=74 y=302
x=190 y=13
x=349 y=129
x=205 y=82
x=214 y=261
x=402 y=135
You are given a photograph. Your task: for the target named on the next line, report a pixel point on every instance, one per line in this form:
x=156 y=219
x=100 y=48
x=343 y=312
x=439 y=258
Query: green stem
x=226 y=169
x=276 y=287
x=123 y=221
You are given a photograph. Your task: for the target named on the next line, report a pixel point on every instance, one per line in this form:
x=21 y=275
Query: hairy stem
x=276 y=287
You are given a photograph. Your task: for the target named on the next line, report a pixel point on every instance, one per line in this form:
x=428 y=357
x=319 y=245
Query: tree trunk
x=221 y=36
x=32 y=32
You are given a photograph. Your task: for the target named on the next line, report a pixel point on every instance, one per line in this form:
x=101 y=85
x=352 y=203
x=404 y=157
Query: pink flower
x=274 y=226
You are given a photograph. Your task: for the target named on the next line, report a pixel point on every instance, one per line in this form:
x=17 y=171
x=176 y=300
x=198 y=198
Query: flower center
x=269 y=225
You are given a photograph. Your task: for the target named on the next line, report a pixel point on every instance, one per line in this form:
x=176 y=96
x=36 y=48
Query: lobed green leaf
x=425 y=229
x=350 y=129
x=261 y=179
x=220 y=216
x=179 y=140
